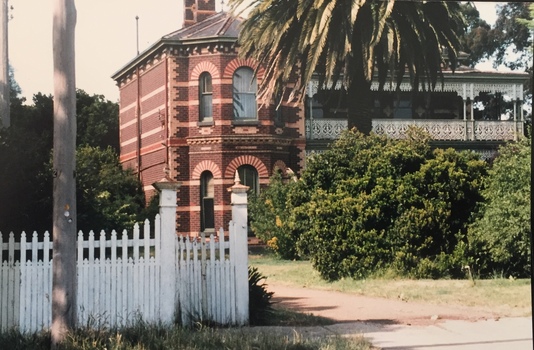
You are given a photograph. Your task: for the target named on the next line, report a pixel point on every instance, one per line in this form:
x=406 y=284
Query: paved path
x=391 y=324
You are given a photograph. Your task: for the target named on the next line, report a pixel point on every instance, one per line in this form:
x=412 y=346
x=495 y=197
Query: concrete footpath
x=392 y=324
x=506 y=333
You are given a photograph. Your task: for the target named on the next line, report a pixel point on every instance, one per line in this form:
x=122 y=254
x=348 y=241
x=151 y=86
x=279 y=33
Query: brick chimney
x=197 y=11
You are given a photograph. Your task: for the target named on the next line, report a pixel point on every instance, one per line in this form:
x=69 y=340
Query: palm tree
x=345 y=42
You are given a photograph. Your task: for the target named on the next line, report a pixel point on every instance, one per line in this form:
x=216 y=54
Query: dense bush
x=108 y=197
x=370 y=203
x=499 y=241
x=268 y=217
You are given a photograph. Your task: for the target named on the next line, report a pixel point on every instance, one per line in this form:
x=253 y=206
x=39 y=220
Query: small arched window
x=244 y=94
x=207 y=194
x=205 y=92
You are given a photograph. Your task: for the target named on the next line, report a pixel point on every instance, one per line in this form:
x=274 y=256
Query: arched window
x=207 y=193
x=249 y=177
x=205 y=93
x=244 y=94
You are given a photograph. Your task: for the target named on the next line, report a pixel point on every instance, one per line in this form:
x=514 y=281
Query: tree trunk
x=64 y=278
x=360 y=105
x=5 y=119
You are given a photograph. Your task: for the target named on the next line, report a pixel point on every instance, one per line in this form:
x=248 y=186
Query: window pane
x=249 y=177
x=206 y=83
x=205 y=107
x=244 y=94
x=207 y=194
x=205 y=96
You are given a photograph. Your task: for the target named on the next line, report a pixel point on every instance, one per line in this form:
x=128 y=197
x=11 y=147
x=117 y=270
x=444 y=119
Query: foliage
x=372 y=203
x=508 y=42
x=25 y=155
x=108 y=197
x=268 y=217
x=346 y=42
x=25 y=150
x=476 y=40
x=97 y=121
x=511 y=33
x=260 y=304
x=499 y=241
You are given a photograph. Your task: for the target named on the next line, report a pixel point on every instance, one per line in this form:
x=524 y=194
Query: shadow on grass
x=281 y=316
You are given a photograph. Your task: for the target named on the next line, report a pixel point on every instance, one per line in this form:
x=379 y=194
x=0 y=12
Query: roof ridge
x=225 y=23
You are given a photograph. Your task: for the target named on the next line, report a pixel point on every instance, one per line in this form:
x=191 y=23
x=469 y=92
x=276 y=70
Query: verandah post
x=167 y=212
x=239 y=218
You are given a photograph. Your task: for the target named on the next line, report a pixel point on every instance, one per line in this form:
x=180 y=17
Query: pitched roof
x=221 y=26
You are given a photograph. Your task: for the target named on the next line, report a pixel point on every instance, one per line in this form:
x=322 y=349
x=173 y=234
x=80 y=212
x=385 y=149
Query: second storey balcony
x=438 y=129
x=468 y=105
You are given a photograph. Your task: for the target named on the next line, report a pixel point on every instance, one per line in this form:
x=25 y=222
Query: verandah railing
x=439 y=129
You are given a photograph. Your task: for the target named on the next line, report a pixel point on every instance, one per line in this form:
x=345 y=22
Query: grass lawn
x=152 y=337
x=504 y=296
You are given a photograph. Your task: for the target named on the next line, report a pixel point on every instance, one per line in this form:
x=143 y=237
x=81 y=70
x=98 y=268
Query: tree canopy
x=108 y=196
x=345 y=41
x=508 y=42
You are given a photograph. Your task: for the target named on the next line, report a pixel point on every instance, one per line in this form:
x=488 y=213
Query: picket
x=122 y=278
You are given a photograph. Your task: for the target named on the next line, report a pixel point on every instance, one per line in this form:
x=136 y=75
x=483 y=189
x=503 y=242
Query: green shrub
x=269 y=215
x=260 y=305
x=371 y=203
x=499 y=240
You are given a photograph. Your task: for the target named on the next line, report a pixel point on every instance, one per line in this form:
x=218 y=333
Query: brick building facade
x=188 y=111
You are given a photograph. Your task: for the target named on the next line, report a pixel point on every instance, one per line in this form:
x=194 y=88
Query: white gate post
x=167 y=259
x=239 y=218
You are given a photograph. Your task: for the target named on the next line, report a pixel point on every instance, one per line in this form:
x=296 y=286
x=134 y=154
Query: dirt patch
x=348 y=308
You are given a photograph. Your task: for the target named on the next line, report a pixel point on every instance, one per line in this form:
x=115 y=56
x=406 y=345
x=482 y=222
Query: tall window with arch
x=205 y=92
x=245 y=88
x=207 y=194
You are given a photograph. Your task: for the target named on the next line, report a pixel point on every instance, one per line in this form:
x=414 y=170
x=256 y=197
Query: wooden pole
x=5 y=118
x=64 y=279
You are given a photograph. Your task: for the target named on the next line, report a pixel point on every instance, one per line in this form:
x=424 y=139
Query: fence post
x=239 y=218
x=167 y=211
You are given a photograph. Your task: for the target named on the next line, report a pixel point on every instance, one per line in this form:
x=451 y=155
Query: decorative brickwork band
x=243 y=160
x=206 y=165
x=205 y=66
x=242 y=62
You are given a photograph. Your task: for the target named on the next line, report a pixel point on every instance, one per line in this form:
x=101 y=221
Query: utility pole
x=5 y=117
x=64 y=279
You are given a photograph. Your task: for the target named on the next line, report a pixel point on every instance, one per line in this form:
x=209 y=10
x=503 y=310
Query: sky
x=106 y=39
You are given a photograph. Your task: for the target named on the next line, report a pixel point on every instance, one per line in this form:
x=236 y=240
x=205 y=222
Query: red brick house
x=188 y=110
x=188 y=107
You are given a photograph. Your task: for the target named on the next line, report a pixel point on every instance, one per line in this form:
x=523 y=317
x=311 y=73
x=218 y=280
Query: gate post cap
x=166 y=184
x=238 y=187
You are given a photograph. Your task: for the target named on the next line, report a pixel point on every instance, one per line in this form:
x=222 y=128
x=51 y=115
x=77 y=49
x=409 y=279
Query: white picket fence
x=121 y=282
x=206 y=279
x=156 y=277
